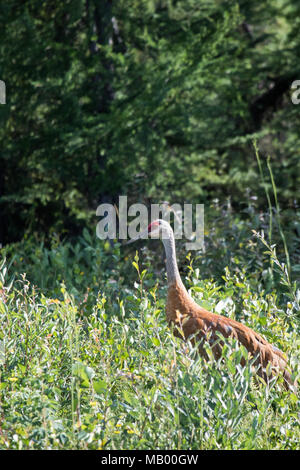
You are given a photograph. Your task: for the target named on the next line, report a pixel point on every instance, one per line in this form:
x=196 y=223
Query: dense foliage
x=160 y=100
x=88 y=361
x=156 y=99
x=100 y=369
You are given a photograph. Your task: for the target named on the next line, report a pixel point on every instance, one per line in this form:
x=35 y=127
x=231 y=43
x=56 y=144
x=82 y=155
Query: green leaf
x=100 y=386
x=135 y=265
x=83 y=372
x=155 y=341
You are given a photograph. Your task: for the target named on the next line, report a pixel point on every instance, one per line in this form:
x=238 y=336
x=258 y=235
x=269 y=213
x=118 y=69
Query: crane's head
x=157 y=229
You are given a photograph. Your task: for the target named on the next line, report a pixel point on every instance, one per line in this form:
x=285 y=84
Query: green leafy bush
x=103 y=370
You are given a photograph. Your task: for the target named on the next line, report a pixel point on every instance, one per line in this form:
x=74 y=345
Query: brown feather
x=195 y=321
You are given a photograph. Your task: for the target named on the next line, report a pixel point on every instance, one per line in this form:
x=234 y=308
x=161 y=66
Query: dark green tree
x=150 y=98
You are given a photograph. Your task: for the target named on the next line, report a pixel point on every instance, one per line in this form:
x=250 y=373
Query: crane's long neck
x=171 y=262
x=178 y=299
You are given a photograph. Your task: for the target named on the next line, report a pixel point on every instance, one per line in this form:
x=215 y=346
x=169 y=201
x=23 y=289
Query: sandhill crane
x=201 y=325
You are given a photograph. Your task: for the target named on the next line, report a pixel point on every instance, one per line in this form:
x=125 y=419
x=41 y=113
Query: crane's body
x=200 y=325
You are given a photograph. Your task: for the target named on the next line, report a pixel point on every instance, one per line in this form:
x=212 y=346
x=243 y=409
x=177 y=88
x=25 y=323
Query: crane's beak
x=143 y=235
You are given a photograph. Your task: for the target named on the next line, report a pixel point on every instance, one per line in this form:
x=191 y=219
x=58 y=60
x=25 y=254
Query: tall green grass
x=113 y=376
x=87 y=360
x=282 y=268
